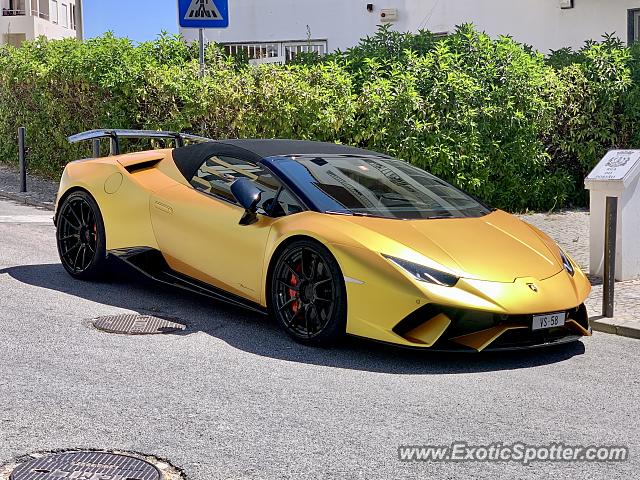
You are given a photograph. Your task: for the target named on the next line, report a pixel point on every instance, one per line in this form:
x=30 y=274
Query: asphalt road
x=234 y=398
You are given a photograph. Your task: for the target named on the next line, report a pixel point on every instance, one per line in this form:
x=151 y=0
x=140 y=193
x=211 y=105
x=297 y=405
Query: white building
x=280 y=28
x=28 y=19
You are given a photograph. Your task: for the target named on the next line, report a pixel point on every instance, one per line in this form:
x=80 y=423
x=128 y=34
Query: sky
x=139 y=20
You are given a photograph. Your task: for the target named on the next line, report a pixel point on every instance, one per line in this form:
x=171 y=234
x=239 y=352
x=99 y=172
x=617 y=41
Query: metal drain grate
x=89 y=465
x=137 y=324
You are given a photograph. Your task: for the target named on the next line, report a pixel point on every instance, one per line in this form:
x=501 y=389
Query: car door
x=198 y=231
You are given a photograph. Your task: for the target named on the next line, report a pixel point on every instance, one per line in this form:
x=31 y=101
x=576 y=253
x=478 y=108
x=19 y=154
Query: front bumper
x=383 y=300
x=448 y=328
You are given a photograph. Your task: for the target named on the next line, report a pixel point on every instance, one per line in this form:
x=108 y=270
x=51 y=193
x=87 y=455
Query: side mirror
x=248 y=195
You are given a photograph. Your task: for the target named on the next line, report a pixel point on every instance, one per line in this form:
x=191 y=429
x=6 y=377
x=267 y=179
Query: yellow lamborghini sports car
x=328 y=239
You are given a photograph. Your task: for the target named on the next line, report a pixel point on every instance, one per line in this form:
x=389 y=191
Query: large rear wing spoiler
x=114 y=135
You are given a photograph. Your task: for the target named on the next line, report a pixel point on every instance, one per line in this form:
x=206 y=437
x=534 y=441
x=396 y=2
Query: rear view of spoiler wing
x=115 y=135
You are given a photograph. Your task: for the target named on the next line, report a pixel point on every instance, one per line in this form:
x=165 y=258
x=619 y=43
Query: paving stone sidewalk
x=570 y=229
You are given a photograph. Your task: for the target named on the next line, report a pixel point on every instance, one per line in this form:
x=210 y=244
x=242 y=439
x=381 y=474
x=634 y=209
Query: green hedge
x=494 y=117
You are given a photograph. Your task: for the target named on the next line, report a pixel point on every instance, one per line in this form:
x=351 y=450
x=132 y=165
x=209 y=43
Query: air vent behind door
x=136 y=167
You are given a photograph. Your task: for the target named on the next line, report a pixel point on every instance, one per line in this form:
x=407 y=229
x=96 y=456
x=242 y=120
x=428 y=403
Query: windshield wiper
x=353 y=214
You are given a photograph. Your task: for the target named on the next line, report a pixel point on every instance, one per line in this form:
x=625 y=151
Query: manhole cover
x=137 y=324
x=86 y=465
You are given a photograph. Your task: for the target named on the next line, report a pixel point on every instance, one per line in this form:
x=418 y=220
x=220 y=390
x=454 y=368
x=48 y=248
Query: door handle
x=163 y=207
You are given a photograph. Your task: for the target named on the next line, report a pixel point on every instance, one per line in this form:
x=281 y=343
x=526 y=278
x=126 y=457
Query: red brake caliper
x=293 y=293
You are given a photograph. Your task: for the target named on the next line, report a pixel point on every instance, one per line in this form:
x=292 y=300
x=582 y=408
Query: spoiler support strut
x=114 y=136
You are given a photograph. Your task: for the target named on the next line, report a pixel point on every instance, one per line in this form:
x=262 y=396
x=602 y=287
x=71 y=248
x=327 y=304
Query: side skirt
x=151 y=263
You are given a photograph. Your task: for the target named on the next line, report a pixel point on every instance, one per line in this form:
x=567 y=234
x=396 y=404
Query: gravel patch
x=41 y=192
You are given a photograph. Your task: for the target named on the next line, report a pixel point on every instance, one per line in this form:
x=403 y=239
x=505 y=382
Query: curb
x=616 y=326
x=27 y=200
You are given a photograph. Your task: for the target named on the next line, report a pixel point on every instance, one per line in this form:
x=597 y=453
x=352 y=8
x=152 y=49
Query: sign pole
x=611 y=221
x=202 y=61
x=203 y=14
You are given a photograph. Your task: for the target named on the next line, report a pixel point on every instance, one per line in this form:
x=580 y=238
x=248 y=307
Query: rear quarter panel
x=123 y=198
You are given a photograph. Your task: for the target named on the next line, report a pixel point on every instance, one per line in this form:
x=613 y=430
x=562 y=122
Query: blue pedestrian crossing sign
x=203 y=13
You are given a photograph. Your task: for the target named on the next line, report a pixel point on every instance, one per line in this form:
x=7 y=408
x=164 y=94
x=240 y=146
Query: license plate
x=550 y=320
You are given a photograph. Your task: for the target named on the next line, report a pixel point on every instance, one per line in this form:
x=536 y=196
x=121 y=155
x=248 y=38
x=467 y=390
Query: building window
x=54 y=11
x=634 y=25
x=275 y=52
x=42 y=8
x=72 y=9
x=13 y=8
x=293 y=49
x=253 y=51
x=64 y=15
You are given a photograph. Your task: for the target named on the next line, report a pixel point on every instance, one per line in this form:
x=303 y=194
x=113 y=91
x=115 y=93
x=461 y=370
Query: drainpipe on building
x=79 y=20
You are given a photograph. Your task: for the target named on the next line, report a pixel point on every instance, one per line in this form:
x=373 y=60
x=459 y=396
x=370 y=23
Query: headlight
x=566 y=263
x=424 y=274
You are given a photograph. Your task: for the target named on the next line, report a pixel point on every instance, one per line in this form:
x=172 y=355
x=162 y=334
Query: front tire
x=308 y=296
x=81 y=237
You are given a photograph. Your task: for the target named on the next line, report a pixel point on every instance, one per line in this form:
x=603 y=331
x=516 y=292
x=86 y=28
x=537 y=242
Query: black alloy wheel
x=80 y=237
x=308 y=295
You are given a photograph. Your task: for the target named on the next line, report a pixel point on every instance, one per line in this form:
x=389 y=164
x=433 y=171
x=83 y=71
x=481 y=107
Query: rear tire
x=81 y=237
x=307 y=294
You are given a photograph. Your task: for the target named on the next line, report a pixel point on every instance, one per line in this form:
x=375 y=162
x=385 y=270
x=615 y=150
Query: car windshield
x=378 y=186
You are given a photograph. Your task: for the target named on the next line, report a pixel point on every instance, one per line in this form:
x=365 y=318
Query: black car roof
x=273 y=148
x=188 y=159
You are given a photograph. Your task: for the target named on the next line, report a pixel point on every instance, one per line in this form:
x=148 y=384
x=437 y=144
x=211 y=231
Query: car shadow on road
x=259 y=335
